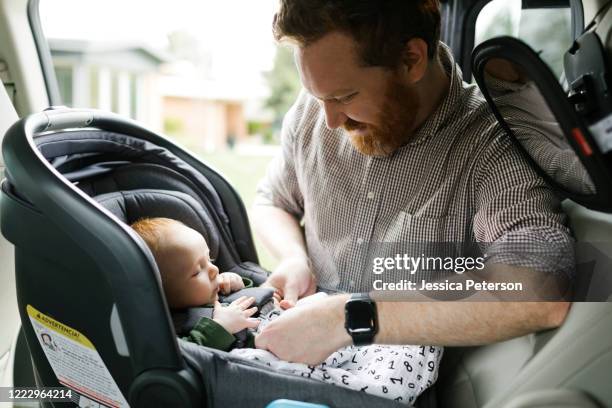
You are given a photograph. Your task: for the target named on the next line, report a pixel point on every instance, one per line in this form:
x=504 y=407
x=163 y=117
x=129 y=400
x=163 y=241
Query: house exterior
x=137 y=82
x=196 y=105
x=117 y=77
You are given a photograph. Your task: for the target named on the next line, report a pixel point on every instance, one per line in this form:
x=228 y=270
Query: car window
x=546 y=30
x=201 y=73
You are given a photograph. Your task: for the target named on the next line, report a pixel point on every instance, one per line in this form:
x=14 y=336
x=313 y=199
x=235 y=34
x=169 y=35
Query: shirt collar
x=450 y=102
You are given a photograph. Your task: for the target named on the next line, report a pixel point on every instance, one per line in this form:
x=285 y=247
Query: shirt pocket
x=408 y=228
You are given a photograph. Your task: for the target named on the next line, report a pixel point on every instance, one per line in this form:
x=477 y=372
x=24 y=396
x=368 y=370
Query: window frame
x=44 y=54
x=458 y=31
x=459 y=17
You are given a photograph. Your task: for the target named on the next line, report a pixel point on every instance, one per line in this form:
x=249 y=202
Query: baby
x=190 y=279
x=192 y=282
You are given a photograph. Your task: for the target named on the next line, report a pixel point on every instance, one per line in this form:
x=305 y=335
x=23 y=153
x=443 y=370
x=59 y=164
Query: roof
x=111 y=53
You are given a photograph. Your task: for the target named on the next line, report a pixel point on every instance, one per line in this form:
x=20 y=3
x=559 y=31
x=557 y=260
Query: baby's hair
x=151 y=230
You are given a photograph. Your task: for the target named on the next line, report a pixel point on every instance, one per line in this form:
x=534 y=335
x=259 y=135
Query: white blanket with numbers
x=400 y=373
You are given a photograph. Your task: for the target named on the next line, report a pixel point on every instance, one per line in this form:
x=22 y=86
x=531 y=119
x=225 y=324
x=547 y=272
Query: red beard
x=398 y=116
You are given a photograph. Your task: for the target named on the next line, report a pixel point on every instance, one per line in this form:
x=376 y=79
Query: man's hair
x=151 y=230
x=381 y=28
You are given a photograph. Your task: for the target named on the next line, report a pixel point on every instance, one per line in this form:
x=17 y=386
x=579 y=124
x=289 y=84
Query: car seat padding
x=132 y=205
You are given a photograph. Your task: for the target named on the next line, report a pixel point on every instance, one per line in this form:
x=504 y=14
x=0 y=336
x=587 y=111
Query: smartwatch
x=360 y=318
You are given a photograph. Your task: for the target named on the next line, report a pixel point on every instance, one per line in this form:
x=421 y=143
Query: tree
x=284 y=83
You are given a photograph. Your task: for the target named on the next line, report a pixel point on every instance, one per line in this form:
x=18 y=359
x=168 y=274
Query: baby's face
x=189 y=277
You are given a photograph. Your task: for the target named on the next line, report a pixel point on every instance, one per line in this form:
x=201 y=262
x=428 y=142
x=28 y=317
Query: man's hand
x=236 y=316
x=230 y=282
x=309 y=333
x=292 y=279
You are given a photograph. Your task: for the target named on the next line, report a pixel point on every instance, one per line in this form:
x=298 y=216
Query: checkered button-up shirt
x=459 y=180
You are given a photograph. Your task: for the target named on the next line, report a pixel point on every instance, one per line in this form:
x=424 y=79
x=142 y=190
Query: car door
x=23 y=92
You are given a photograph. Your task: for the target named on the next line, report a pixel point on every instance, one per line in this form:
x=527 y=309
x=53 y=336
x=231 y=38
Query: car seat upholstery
x=577 y=355
x=553 y=398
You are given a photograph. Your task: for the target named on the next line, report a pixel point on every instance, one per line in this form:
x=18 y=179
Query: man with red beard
x=387 y=144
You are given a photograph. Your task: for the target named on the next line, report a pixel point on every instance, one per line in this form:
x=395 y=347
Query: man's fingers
x=286 y=304
x=290 y=298
x=261 y=342
x=312 y=287
x=277 y=296
x=276 y=302
x=252 y=323
x=274 y=281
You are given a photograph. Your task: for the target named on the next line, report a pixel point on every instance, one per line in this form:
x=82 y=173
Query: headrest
x=132 y=205
x=102 y=162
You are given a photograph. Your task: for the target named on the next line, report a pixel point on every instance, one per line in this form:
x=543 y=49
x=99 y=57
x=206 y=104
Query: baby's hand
x=237 y=315
x=230 y=282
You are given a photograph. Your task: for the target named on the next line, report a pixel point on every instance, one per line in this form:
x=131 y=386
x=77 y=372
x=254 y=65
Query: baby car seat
x=88 y=289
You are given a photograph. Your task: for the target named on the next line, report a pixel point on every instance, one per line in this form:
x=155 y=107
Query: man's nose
x=334 y=117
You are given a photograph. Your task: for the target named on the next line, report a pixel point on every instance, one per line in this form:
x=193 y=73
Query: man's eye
x=346 y=99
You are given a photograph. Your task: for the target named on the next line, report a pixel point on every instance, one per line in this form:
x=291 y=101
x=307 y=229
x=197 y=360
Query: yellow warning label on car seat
x=75 y=361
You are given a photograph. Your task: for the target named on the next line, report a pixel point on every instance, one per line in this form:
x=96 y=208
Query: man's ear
x=414 y=60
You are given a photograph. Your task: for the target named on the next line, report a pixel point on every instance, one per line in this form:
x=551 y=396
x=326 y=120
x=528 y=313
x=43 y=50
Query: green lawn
x=243 y=172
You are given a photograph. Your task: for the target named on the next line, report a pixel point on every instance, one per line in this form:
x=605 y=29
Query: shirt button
x=370 y=195
x=359 y=241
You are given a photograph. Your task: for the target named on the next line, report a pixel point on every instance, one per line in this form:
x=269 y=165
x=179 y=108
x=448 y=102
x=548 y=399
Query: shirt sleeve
x=211 y=334
x=280 y=187
x=519 y=220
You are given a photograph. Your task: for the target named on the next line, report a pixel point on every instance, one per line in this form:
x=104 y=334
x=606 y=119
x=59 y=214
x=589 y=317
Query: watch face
x=360 y=315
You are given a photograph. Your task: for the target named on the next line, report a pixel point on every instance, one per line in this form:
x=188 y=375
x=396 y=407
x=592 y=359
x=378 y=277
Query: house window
x=94 y=88
x=115 y=92
x=133 y=96
x=64 y=81
x=546 y=30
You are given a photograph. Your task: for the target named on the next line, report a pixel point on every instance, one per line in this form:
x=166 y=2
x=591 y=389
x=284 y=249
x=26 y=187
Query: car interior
x=74 y=178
